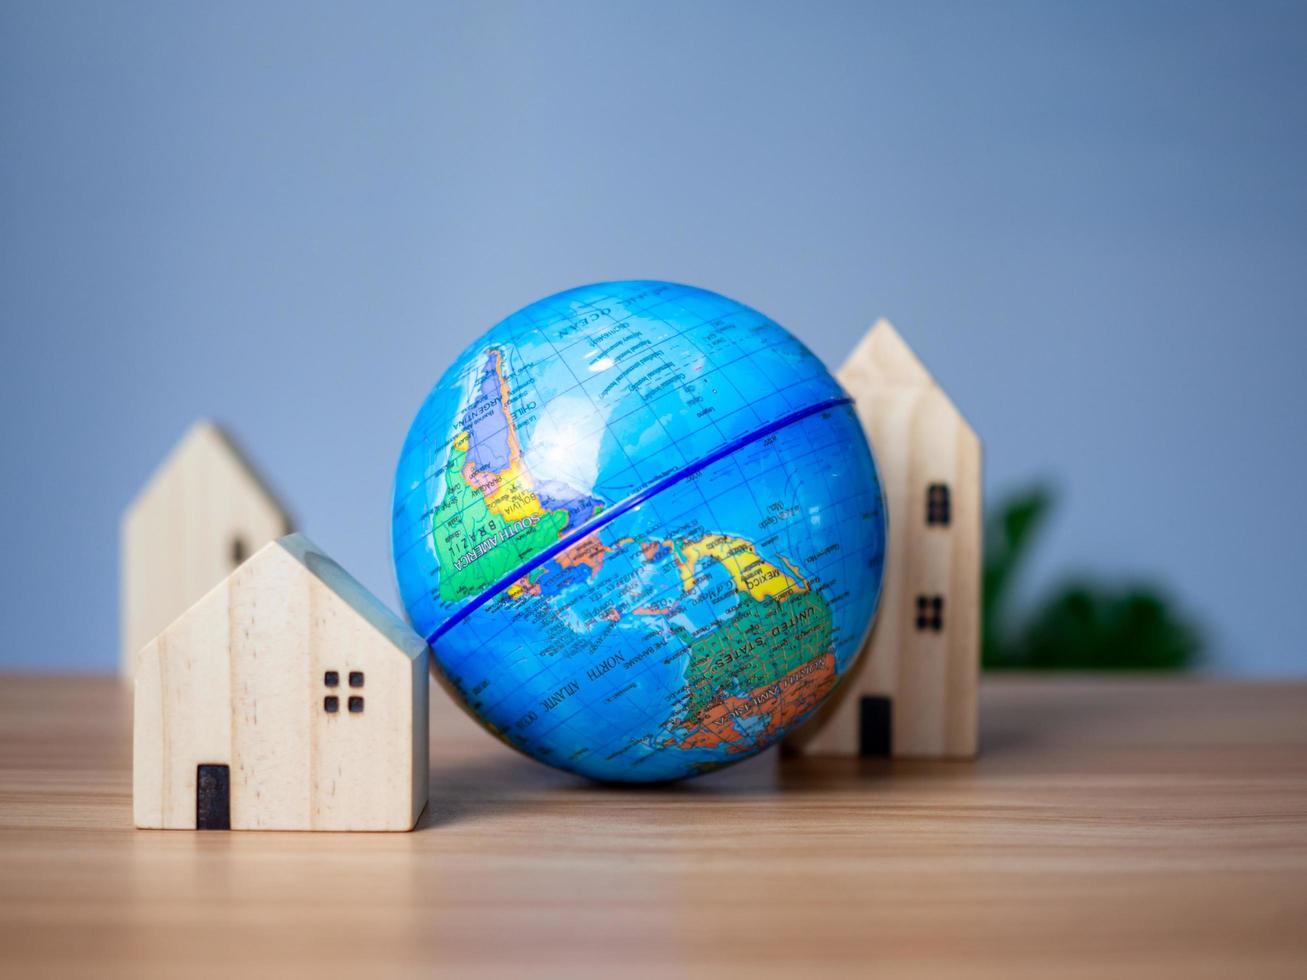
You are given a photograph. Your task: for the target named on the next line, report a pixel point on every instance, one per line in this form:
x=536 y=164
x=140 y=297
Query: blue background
x=1089 y=219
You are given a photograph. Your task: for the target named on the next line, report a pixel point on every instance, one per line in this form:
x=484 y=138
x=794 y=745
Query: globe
x=642 y=530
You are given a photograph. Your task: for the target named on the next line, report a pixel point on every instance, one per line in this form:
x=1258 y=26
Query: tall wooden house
x=201 y=514
x=913 y=690
x=287 y=698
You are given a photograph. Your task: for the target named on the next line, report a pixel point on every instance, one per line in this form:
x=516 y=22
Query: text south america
x=500 y=536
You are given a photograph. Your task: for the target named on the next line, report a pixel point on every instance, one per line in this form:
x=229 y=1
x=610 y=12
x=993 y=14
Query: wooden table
x=1146 y=827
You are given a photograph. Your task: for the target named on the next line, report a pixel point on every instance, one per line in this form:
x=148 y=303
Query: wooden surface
x=1124 y=828
x=919 y=439
x=202 y=512
x=245 y=680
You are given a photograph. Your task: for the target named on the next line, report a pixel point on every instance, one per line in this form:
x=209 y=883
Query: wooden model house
x=913 y=690
x=202 y=513
x=287 y=698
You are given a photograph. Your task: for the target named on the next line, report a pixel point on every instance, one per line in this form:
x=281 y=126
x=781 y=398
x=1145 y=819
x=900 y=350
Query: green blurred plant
x=1083 y=625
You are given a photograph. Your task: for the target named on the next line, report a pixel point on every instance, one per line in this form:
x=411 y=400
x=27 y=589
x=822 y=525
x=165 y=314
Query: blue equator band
x=630 y=503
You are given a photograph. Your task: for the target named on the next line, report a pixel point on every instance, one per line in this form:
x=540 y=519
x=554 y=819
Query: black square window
x=939 y=508
x=355 y=704
x=356 y=678
x=930 y=612
x=331 y=704
x=331 y=679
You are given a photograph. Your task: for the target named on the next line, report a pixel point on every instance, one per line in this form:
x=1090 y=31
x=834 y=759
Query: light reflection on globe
x=642 y=529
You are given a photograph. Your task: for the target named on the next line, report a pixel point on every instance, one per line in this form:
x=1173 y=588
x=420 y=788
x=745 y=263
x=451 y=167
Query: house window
x=331 y=703
x=930 y=612
x=939 y=509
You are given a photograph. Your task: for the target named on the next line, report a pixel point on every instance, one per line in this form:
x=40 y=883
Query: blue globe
x=642 y=530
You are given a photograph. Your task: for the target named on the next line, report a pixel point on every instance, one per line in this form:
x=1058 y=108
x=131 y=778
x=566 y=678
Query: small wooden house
x=287 y=698
x=202 y=513
x=913 y=690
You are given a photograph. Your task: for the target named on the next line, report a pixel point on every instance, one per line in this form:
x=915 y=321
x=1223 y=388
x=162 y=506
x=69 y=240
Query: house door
x=213 y=798
x=876 y=728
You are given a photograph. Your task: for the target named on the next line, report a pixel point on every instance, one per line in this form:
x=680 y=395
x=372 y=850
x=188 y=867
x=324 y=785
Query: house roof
x=299 y=551
x=882 y=360
x=208 y=439
x=371 y=609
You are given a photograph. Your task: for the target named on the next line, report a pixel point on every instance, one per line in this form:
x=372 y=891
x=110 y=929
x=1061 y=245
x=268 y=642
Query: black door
x=213 y=798
x=876 y=728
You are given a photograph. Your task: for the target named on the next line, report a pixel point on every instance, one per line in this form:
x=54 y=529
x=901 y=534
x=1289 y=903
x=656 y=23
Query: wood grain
x=920 y=439
x=1124 y=828
x=258 y=676
x=199 y=516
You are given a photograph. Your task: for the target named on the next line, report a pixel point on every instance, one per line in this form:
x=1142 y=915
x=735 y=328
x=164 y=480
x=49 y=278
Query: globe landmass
x=642 y=529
